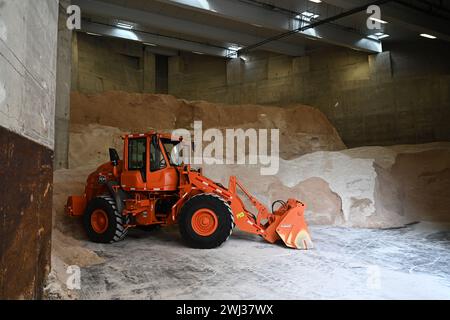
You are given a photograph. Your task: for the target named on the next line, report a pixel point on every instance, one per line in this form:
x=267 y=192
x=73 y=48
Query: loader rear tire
x=103 y=222
x=206 y=221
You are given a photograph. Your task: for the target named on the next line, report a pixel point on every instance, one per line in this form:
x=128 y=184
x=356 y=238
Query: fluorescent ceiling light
x=93 y=34
x=150 y=44
x=316 y=1
x=197 y=52
x=234 y=48
x=379 y=36
x=378 y=20
x=429 y=36
x=383 y=36
x=307 y=15
x=124 y=25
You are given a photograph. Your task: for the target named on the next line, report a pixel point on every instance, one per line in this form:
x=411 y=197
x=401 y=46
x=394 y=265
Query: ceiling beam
x=181 y=26
x=279 y=21
x=162 y=41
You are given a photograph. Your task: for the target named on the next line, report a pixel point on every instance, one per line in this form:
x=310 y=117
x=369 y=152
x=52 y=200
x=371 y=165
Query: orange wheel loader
x=148 y=189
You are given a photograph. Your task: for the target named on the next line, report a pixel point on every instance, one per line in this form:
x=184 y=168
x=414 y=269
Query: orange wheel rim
x=204 y=222
x=99 y=221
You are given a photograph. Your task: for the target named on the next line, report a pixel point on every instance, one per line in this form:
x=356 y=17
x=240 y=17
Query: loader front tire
x=103 y=222
x=206 y=221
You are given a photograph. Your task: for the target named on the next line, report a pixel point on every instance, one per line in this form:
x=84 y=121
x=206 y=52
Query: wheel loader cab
x=147 y=163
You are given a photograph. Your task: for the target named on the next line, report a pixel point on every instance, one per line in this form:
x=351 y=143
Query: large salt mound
x=303 y=129
x=89 y=144
x=374 y=187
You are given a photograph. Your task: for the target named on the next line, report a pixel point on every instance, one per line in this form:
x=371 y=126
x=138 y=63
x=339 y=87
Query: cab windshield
x=172 y=150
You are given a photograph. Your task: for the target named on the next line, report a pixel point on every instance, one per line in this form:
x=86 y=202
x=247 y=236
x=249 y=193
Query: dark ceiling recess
x=438 y=8
x=313 y=25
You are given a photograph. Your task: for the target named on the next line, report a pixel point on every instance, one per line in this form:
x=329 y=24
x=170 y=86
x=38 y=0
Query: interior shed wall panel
x=26 y=175
x=28 y=42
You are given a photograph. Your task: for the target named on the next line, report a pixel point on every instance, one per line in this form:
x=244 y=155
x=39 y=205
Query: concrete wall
x=28 y=38
x=399 y=96
x=102 y=64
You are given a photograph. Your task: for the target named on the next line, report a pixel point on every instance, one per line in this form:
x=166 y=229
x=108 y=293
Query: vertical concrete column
x=63 y=87
x=176 y=75
x=235 y=75
x=149 y=72
x=74 y=71
x=235 y=69
x=380 y=66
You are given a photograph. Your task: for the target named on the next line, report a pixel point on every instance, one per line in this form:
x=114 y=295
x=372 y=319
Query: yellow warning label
x=240 y=215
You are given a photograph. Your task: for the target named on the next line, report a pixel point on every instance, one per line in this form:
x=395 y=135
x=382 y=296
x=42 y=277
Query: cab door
x=161 y=176
x=134 y=175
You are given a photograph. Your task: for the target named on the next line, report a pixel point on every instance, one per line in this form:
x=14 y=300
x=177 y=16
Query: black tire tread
x=120 y=230
x=221 y=208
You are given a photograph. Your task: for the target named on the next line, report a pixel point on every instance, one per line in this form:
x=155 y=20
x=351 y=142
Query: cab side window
x=137 y=155
x=157 y=161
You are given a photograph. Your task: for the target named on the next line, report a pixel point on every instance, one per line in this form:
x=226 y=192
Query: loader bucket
x=293 y=230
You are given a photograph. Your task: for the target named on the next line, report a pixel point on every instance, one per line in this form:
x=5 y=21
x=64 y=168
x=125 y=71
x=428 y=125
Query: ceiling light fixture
x=234 y=47
x=378 y=20
x=316 y=1
x=428 y=36
x=378 y=36
x=197 y=52
x=307 y=15
x=124 y=25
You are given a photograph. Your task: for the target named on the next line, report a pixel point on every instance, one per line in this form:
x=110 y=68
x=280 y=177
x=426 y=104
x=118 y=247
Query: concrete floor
x=407 y=263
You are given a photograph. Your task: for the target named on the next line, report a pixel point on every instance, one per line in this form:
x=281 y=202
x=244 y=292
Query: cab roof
x=150 y=134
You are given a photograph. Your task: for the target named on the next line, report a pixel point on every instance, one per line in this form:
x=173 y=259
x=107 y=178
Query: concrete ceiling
x=219 y=27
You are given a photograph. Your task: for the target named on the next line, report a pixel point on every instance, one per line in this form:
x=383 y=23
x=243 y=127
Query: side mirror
x=114 y=156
